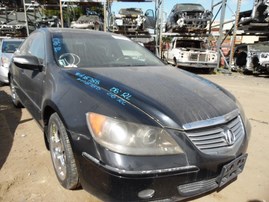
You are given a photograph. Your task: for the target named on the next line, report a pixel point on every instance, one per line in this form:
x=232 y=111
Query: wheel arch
x=47 y=112
x=49 y=109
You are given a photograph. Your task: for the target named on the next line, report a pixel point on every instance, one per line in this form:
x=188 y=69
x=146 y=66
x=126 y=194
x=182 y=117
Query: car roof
x=188 y=4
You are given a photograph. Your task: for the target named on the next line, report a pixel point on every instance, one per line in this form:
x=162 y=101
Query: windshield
x=10 y=46
x=189 y=7
x=93 y=49
x=191 y=44
x=130 y=11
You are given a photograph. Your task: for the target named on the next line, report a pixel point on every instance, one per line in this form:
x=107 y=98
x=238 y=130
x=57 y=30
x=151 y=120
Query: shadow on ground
x=9 y=120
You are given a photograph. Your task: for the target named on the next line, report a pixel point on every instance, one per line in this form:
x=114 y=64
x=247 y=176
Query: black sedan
x=121 y=123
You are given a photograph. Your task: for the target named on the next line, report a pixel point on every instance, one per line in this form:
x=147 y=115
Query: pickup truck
x=191 y=52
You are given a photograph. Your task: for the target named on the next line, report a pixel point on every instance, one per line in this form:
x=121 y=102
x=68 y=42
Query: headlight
x=213 y=57
x=18 y=27
x=263 y=55
x=130 y=138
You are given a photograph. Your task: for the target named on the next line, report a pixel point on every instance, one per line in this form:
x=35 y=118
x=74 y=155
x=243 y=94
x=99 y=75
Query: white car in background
x=191 y=52
x=7 y=48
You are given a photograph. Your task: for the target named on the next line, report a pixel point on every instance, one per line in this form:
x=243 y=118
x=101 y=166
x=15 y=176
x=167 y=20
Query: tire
x=165 y=60
x=246 y=71
x=15 y=99
x=241 y=59
x=175 y=62
x=61 y=154
x=209 y=70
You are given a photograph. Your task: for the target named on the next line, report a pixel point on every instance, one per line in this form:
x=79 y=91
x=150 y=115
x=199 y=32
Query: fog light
x=146 y=194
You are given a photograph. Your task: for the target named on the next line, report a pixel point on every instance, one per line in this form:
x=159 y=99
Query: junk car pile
x=188 y=17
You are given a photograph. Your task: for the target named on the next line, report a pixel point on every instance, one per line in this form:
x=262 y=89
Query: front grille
x=214 y=137
x=195 y=188
x=194 y=57
x=198 y=57
x=202 y=57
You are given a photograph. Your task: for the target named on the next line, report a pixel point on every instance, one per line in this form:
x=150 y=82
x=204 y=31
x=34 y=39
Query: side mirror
x=27 y=62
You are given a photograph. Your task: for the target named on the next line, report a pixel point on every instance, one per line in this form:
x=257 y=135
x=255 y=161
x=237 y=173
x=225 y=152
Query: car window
x=99 y=50
x=34 y=46
x=37 y=46
x=10 y=46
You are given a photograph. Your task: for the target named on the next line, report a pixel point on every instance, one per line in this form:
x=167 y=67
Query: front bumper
x=4 y=74
x=111 y=185
x=117 y=177
x=193 y=23
x=196 y=64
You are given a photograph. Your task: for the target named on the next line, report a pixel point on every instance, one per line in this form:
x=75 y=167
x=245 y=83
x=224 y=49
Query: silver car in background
x=7 y=48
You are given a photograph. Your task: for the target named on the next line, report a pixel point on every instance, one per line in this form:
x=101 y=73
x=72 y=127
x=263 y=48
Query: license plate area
x=232 y=170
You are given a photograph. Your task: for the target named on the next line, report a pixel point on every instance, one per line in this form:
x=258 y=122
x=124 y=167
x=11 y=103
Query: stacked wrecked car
x=133 y=20
x=252 y=58
x=190 y=49
x=89 y=21
x=13 y=28
x=187 y=17
x=259 y=13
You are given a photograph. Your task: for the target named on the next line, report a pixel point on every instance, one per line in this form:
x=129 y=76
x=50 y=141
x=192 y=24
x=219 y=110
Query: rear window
x=10 y=46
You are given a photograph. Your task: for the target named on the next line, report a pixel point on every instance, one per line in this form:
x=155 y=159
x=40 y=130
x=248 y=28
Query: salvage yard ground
x=26 y=171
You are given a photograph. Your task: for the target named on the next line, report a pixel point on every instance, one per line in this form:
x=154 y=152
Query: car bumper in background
x=4 y=74
x=196 y=64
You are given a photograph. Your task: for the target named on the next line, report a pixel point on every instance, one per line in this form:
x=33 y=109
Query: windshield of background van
x=91 y=50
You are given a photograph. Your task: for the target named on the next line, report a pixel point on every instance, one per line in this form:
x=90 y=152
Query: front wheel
x=209 y=70
x=61 y=153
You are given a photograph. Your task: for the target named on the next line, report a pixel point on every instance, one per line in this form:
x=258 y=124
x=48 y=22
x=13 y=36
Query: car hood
x=172 y=97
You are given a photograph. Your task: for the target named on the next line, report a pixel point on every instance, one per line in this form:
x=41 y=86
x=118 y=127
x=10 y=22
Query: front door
x=31 y=81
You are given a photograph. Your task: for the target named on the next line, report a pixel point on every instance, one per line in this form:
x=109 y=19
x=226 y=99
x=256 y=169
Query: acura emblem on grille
x=229 y=136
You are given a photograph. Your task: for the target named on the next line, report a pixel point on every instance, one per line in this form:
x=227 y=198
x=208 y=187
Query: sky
x=168 y=4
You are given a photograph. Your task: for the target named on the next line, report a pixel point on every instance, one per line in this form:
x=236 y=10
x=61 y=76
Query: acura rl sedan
x=124 y=125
